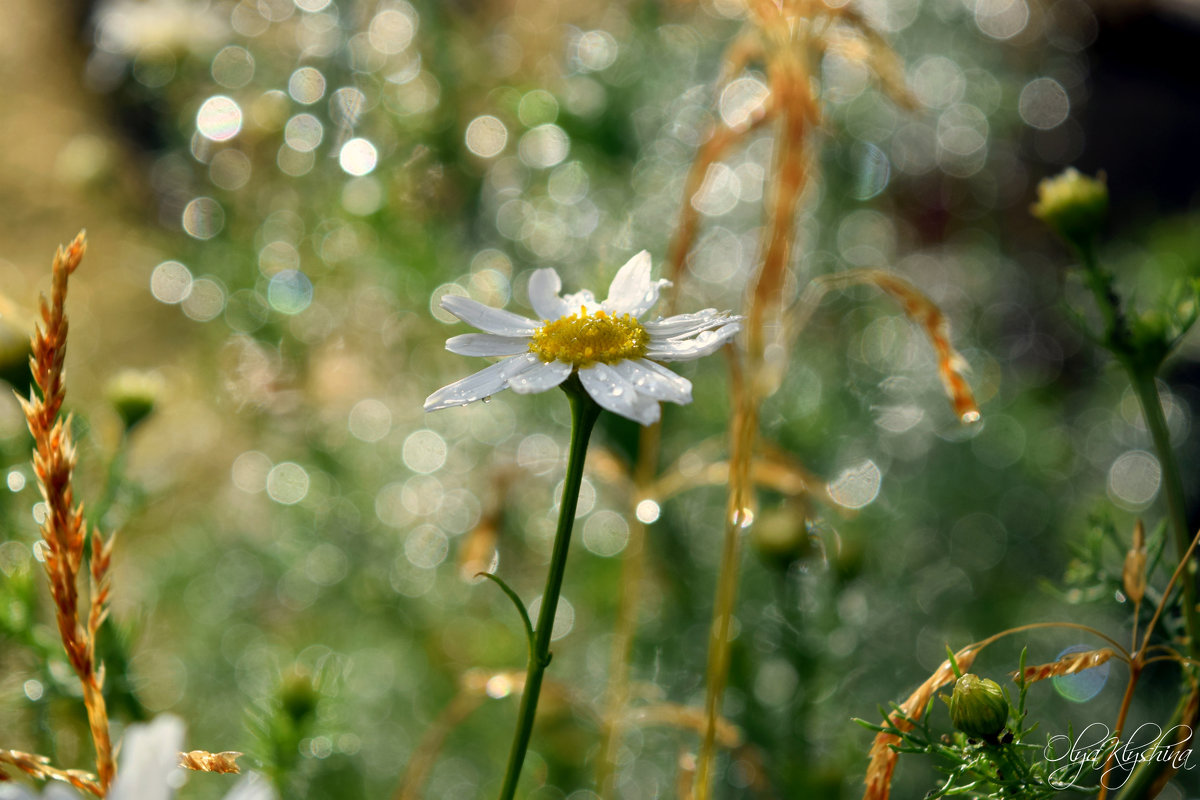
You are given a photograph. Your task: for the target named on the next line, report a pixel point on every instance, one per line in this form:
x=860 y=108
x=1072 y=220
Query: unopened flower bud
x=1133 y=574
x=978 y=707
x=133 y=395
x=1073 y=204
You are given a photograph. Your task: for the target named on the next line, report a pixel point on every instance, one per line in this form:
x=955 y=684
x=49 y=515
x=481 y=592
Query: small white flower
x=615 y=354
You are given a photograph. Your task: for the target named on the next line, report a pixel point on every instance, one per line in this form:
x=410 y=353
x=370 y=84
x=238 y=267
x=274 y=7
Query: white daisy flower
x=613 y=352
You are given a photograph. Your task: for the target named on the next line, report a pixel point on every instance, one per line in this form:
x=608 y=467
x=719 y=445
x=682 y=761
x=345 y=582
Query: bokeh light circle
x=170 y=282
x=219 y=118
x=1085 y=684
x=287 y=483
x=290 y=291
x=486 y=136
x=358 y=157
x=203 y=218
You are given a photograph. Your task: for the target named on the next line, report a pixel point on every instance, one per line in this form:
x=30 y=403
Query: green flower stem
x=1141 y=366
x=584 y=412
x=1146 y=389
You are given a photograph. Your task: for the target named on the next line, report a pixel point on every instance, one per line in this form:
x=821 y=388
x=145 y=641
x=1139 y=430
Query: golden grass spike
x=1067 y=665
x=883 y=757
x=64 y=530
x=39 y=767
x=204 y=761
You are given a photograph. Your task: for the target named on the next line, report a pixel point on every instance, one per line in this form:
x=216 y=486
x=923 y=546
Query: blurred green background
x=276 y=194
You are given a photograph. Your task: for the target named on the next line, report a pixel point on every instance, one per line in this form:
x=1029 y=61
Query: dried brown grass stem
x=64 y=532
x=39 y=767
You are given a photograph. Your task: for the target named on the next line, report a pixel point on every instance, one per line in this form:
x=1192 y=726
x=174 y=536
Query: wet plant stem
x=1141 y=366
x=584 y=412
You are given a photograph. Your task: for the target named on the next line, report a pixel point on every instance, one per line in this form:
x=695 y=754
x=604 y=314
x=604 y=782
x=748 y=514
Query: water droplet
x=1083 y=685
x=970 y=417
x=487 y=399
x=617 y=391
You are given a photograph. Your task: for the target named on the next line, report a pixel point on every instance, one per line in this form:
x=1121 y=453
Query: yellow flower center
x=583 y=339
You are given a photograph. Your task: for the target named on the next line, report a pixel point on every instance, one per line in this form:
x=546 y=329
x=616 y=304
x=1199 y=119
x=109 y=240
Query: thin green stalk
x=584 y=412
x=1146 y=389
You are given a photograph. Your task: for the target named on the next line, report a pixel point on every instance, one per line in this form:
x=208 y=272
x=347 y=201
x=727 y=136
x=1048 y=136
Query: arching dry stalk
x=883 y=756
x=64 y=532
x=919 y=309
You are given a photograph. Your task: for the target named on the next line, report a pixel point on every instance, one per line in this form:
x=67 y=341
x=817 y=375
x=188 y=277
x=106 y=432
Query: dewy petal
x=484 y=383
x=705 y=343
x=544 y=287
x=149 y=755
x=615 y=393
x=682 y=325
x=485 y=344
x=486 y=318
x=540 y=378
x=632 y=292
x=654 y=380
x=252 y=787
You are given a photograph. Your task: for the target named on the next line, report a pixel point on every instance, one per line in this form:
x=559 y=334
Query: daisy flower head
x=615 y=354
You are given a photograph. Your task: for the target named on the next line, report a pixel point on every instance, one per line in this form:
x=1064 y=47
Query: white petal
x=632 y=291
x=705 y=343
x=654 y=380
x=486 y=318
x=540 y=378
x=687 y=324
x=573 y=303
x=613 y=392
x=485 y=344
x=252 y=787
x=484 y=383
x=149 y=754
x=544 y=286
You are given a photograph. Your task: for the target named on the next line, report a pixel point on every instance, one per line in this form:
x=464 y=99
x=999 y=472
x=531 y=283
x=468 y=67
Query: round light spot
x=277 y=256
x=544 y=146
x=719 y=192
x=233 y=67
x=287 y=483
x=370 y=420
x=537 y=108
x=1044 y=104
x=362 y=196
x=648 y=511
x=1001 y=19
x=426 y=547
x=294 y=162
x=857 y=486
x=219 y=118
x=741 y=101
x=170 y=282
x=775 y=683
x=605 y=533
x=249 y=471
x=34 y=689
x=596 y=50
x=203 y=218
x=564 y=617
x=205 y=301
x=306 y=85
x=303 y=133
x=15 y=480
x=486 y=136
x=1085 y=684
x=312 y=6
x=424 y=451
x=391 y=31
x=229 y=169
x=346 y=105
x=358 y=157
x=538 y=454
x=1133 y=479
x=290 y=291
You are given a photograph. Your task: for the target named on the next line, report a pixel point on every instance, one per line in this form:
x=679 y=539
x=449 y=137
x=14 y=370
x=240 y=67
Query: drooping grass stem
x=584 y=412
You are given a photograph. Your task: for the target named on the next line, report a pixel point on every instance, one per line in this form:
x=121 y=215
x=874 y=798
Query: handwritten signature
x=1096 y=748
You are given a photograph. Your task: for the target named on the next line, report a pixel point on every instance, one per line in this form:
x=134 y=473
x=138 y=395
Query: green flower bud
x=134 y=394
x=1073 y=204
x=978 y=707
